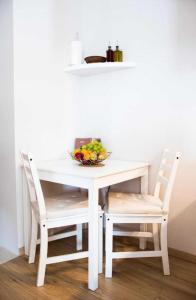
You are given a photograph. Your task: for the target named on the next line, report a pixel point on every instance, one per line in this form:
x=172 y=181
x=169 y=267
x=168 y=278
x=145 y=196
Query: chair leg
x=155 y=230
x=164 y=248
x=43 y=254
x=142 y=245
x=33 y=242
x=108 y=247
x=100 y=267
x=79 y=237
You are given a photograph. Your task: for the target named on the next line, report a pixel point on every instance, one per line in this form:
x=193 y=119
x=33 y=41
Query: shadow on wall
x=182 y=232
x=130 y=186
x=51 y=189
x=182 y=229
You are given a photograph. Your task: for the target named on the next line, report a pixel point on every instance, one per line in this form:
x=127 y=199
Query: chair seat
x=128 y=203
x=64 y=205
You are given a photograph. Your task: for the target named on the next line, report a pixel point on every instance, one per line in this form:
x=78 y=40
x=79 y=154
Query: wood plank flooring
x=134 y=279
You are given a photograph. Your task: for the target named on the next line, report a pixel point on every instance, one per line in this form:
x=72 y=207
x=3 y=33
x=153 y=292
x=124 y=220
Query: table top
x=71 y=167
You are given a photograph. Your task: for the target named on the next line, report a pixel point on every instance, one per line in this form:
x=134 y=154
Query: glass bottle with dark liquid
x=110 y=54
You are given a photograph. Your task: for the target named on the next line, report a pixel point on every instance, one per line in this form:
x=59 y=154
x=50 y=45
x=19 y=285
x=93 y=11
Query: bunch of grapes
x=94 y=146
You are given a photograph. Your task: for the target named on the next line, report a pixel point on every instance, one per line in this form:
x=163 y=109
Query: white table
x=93 y=178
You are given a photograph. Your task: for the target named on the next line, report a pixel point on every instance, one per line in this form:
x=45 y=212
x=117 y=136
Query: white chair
x=143 y=209
x=53 y=212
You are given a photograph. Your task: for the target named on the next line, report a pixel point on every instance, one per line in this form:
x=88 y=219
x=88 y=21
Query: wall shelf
x=98 y=68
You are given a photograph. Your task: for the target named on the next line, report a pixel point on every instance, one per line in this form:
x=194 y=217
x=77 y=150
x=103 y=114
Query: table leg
x=144 y=190
x=93 y=238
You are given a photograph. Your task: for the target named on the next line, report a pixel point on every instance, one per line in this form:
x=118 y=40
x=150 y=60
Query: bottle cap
x=117 y=45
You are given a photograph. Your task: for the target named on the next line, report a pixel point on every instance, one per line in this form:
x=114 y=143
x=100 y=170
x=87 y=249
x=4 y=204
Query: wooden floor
x=134 y=279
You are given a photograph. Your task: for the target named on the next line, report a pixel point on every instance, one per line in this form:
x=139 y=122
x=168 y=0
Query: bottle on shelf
x=118 y=54
x=110 y=54
x=76 y=51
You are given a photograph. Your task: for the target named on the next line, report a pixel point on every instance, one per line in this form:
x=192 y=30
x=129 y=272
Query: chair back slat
x=33 y=182
x=166 y=176
x=163 y=180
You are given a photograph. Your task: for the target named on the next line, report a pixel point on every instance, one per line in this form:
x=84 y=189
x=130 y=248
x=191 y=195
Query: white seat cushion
x=128 y=203
x=64 y=205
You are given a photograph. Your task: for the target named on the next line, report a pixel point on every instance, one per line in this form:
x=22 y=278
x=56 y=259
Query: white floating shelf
x=98 y=68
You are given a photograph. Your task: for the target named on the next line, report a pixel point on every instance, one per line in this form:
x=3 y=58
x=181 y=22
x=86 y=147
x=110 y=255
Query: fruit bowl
x=91 y=154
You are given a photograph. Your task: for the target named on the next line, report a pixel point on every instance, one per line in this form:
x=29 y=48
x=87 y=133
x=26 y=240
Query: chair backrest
x=166 y=176
x=33 y=182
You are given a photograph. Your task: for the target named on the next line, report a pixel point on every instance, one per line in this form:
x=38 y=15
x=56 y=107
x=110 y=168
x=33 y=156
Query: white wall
x=139 y=112
x=44 y=105
x=8 y=215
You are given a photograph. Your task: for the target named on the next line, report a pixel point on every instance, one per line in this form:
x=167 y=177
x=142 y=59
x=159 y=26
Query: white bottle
x=76 y=51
